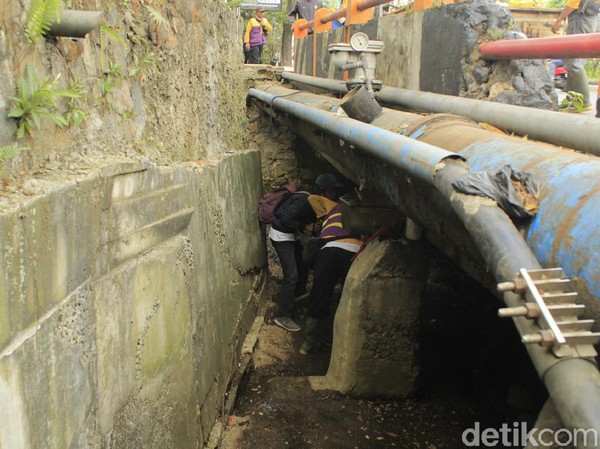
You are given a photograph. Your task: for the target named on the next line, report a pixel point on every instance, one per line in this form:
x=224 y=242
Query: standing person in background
x=255 y=36
x=305 y=9
x=583 y=19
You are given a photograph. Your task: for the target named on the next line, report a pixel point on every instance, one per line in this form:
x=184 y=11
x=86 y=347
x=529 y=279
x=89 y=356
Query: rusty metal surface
x=418 y=159
x=565 y=232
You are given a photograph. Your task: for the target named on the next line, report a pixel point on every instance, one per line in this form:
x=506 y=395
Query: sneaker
x=287 y=323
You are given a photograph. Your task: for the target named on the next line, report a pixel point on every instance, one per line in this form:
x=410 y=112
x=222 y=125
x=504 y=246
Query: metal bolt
x=505 y=286
x=517 y=286
x=544 y=338
x=529 y=310
x=512 y=311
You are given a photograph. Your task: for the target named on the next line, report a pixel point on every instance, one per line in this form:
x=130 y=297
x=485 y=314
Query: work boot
x=578 y=82
x=311 y=336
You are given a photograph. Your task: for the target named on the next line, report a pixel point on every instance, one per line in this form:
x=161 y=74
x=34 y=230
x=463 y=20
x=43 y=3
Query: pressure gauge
x=359 y=41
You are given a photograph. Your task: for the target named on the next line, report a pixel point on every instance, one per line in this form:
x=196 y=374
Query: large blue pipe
x=565 y=231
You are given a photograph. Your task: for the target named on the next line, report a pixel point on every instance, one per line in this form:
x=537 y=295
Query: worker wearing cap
x=338 y=248
x=583 y=19
x=255 y=36
x=305 y=9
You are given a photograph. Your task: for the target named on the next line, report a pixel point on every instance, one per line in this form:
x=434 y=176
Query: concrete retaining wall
x=124 y=299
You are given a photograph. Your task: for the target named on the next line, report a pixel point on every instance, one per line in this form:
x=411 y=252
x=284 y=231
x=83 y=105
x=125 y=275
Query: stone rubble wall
x=177 y=92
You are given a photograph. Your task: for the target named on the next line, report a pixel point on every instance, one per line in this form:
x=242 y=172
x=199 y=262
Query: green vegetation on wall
x=555 y=3
x=592 y=68
x=8 y=152
x=39 y=99
x=40 y=15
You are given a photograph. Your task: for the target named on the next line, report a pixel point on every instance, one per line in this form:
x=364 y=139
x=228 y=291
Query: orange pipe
x=360 y=6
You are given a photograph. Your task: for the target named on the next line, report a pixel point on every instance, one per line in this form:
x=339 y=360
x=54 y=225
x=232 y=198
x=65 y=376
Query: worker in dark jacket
x=305 y=9
x=291 y=218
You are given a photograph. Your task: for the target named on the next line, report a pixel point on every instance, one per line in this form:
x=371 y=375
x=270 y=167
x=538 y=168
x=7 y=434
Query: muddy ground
x=473 y=369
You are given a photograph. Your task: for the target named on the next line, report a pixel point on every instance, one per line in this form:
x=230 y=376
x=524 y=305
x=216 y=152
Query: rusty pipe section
x=572 y=131
x=570 y=381
x=361 y=5
x=417 y=158
x=573 y=46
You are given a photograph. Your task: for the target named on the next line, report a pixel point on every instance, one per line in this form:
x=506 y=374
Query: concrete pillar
x=376 y=325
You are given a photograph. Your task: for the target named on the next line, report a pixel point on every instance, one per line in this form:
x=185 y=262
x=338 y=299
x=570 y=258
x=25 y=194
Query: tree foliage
x=555 y=3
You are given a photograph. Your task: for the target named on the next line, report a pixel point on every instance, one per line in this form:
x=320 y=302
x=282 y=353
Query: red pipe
x=574 y=46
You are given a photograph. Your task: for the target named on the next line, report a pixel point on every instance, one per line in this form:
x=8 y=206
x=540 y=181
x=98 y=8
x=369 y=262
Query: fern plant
x=107 y=32
x=112 y=76
x=76 y=114
x=144 y=65
x=8 y=152
x=40 y=15
x=157 y=17
x=36 y=100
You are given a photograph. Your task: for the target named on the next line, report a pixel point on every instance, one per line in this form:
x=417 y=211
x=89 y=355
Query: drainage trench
x=469 y=368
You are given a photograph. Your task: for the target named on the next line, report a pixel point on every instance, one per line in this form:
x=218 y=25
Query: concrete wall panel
x=441 y=53
x=105 y=347
x=399 y=65
x=54 y=361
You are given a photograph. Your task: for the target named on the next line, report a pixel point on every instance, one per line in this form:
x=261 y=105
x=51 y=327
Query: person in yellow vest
x=255 y=36
x=583 y=19
x=333 y=262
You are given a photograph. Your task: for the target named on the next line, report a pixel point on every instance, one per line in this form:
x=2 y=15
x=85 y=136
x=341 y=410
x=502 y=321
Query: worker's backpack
x=269 y=202
x=588 y=8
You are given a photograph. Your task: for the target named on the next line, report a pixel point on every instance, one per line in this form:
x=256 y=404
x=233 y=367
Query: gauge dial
x=359 y=41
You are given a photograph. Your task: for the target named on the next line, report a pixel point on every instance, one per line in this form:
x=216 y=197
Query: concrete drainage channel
x=501 y=245
x=470 y=369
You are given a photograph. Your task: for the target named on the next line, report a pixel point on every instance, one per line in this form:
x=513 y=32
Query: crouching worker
x=292 y=216
x=332 y=266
